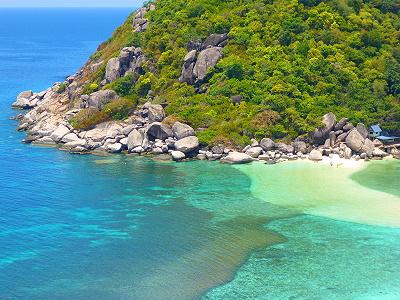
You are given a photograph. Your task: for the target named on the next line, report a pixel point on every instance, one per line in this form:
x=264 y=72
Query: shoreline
x=326 y=191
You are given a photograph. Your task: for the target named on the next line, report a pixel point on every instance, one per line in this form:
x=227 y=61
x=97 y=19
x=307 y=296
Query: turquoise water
x=122 y=227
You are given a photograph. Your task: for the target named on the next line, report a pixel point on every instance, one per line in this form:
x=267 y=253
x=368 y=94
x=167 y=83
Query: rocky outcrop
x=29 y=100
x=315 y=155
x=321 y=134
x=129 y=61
x=216 y=40
x=140 y=23
x=98 y=99
x=198 y=62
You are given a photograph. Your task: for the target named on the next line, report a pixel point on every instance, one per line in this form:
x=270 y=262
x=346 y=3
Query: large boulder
x=23 y=100
x=355 y=141
x=215 y=40
x=178 y=155
x=300 y=146
x=99 y=99
x=207 y=59
x=284 y=148
x=315 y=155
x=190 y=57
x=362 y=130
x=254 y=152
x=321 y=134
x=181 y=130
x=158 y=131
x=187 y=145
x=237 y=158
x=379 y=153
x=59 y=133
x=156 y=113
x=267 y=144
x=368 y=147
x=135 y=139
x=113 y=70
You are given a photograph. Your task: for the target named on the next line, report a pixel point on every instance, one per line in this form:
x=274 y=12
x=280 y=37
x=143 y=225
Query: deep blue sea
x=121 y=227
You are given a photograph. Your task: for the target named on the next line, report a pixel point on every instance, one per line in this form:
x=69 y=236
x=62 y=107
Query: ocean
x=122 y=227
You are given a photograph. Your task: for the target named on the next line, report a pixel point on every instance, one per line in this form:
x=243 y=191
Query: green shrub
x=122 y=86
x=119 y=109
x=62 y=88
x=88 y=118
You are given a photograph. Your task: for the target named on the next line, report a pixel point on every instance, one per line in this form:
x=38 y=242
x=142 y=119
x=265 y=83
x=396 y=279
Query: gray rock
x=315 y=155
x=207 y=59
x=377 y=143
x=114 y=148
x=368 y=147
x=342 y=137
x=341 y=124
x=181 y=130
x=159 y=131
x=355 y=141
x=187 y=145
x=379 y=153
x=156 y=113
x=99 y=99
x=138 y=150
x=348 y=127
x=70 y=137
x=187 y=73
x=237 y=158
x=332 y=138
x=218 y=149
x=347 y=152
x=300 y=146
x=190 y=57
x=362 y=130
x=237 y=99
x=46 y=140
x=321 y=134
x=284 y=148
x=135 y=139
x=59 y=133
x=254 y=152
x=178 y=155
x=267 y=144
x=113 y=70
x=215 y=39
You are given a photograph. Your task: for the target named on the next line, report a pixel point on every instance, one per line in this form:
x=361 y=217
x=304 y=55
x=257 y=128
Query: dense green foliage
x=118 y=109
x=291 y=61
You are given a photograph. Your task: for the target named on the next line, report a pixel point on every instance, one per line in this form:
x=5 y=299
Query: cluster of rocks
x=346 y=140
x=142 y=133
x=129 y=61
x=28 y=99
x=198 y=61
x=140 y=23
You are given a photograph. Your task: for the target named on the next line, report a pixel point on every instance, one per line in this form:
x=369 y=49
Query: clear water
x=121 y=227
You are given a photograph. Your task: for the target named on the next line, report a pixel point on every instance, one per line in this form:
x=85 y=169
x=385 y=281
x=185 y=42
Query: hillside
x=289 y=61
x=252 y=69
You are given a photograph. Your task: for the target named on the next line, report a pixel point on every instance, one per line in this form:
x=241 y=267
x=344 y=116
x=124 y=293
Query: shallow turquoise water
x=123 y=227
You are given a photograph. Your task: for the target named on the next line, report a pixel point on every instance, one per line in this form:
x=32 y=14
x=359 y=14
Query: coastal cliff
x=209 y=79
